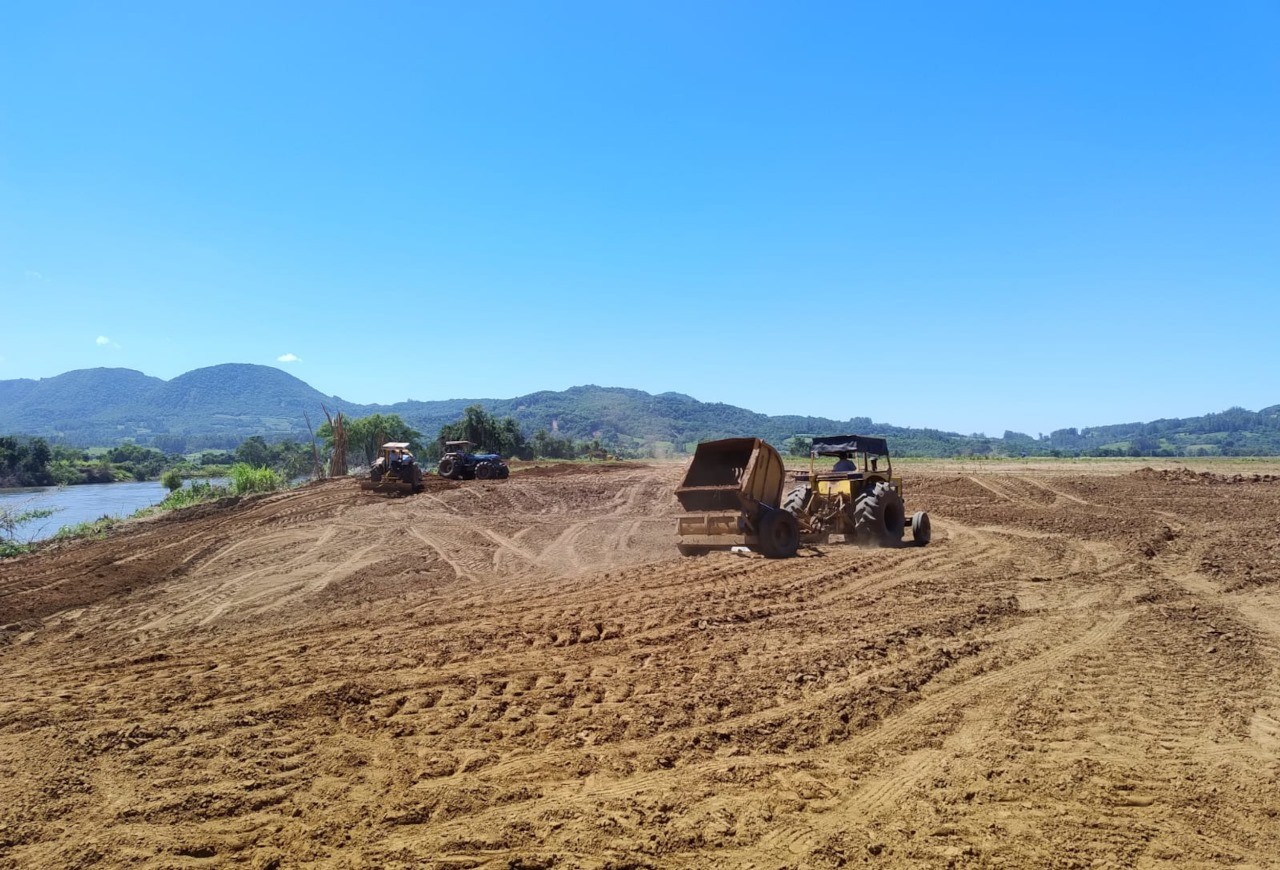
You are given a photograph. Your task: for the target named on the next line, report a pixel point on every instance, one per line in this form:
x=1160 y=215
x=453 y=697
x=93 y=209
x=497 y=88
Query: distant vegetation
x=366 y=434
x=218 y=408
x=34 y=462
x=504 y=436
x=484 y=430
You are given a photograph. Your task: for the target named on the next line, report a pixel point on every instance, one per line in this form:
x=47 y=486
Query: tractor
x=858 y=499
x=732 y=495
x=459 y=463
x=394 y=471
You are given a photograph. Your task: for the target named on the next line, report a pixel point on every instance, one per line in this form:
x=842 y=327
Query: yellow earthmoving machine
x=732 y=496
x=394 y=471
x=859 y=499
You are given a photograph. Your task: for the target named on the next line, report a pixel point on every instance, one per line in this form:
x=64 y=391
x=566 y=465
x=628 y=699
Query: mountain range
x=219 y=406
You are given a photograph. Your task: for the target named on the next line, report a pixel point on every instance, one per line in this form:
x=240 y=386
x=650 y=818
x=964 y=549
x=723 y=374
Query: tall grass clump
x=93 y=529
x=194 y=493
x=246 y=479
x=10 y=520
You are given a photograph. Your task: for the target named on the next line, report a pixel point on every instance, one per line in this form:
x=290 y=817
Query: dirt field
x=1080 y=671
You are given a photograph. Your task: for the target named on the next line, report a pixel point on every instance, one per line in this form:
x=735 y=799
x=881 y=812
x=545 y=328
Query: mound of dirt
x=1186 y=475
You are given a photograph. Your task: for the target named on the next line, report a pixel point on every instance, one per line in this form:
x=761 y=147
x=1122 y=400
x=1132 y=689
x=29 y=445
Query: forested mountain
x=217 y=406
x=220 y=406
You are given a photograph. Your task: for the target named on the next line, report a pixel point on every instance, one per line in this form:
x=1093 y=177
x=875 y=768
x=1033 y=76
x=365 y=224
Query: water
x=78 y=504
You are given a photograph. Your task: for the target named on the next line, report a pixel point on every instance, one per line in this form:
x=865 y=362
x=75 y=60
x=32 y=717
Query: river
x=78 y=504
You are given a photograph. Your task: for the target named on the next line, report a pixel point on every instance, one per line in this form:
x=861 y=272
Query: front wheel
x=485 y=471
x=921 y=531
x=779 y=535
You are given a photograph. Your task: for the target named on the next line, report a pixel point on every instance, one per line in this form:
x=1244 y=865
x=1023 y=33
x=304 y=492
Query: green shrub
x=246 y=479
x=10 y=519
x=65 y=473
x=196 y=492
x=94 y=529
x=171 y=479
x=12 y=548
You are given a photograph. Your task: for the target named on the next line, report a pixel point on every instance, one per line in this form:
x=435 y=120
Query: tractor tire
x=879 y=518
x=779 y=535
x=448 y=467
x=503 y=472
x=375 y=474
x=921 y=531
x=484 y=470
x=796 y=501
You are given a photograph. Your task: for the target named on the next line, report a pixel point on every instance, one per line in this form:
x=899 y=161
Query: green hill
x=220 y=406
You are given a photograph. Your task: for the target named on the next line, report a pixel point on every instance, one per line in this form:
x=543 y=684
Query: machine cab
x=861 y=461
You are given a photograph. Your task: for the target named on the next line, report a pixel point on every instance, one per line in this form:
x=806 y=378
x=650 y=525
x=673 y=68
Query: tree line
x=485 y=431
x=34 y=462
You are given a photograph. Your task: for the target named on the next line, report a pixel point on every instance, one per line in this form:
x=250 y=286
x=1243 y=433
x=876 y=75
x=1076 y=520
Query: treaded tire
x=879 y=518
x=779 y=535
x=448 y=467
x=921 y=530
x=795 y=501
x=485 y=471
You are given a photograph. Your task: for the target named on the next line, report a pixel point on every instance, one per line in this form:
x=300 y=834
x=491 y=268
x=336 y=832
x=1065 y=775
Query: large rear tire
x=448 y=467
x=879 y=518
x=779 y=535
x=797 y=500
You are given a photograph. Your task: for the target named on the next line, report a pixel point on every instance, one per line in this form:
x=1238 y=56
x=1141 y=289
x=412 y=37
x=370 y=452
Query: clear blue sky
x=973 y=216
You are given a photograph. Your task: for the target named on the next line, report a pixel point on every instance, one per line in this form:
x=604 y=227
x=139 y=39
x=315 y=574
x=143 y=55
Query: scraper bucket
x=732 y=474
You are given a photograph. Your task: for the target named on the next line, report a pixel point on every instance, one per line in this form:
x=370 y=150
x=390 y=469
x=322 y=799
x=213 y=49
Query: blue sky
x=971 y=216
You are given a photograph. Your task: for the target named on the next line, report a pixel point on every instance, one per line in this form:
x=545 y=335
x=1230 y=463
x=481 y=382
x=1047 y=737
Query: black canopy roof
x=829 y=445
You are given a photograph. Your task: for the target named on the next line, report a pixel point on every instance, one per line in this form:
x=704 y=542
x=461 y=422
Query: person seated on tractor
x=844 y=463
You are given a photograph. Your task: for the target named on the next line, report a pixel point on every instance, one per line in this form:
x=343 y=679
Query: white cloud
x=34 y=275
x=288 y=357
x=103 y=341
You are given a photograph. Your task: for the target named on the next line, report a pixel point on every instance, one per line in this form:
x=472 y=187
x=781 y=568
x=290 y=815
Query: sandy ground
x=1080 y=671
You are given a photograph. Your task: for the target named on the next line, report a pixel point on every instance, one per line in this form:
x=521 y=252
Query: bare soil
x=1080 y=671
